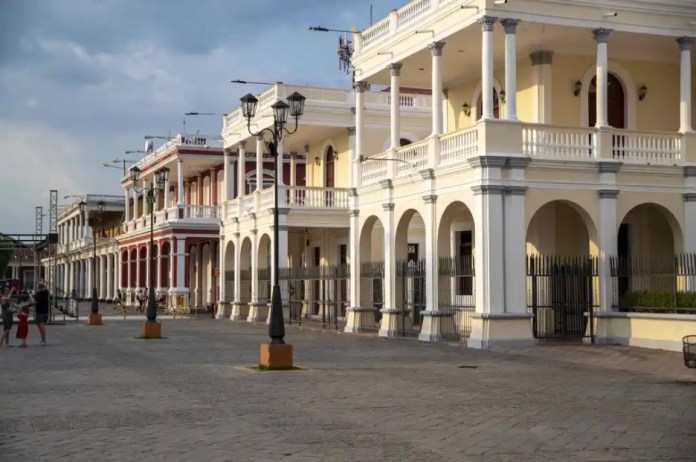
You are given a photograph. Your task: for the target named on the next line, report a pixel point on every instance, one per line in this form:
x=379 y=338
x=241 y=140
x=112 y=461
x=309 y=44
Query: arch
x=410 y=237
x=650 y=230
x=372 y=240
x=629 y=90
x=250 y=180
x=244 y=269
x=561 y=227
x=264 y=268
x=329 y=162
x=497 y=88
x=229 y=271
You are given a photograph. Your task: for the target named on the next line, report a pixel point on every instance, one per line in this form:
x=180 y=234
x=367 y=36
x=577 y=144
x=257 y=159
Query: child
x=23 y=326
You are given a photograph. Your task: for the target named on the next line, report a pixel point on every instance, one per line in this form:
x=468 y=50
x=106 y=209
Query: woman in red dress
x=23 y=326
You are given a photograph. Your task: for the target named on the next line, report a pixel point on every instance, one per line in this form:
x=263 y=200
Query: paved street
x=99 y=394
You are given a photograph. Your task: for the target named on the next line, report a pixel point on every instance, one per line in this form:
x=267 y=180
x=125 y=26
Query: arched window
x=251 y=180
x=496 y=105
x=616 y=102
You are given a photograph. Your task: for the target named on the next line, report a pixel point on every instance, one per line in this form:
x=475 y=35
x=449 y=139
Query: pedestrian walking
x=40 y=299
x=7 y=321
x=118 y=301
x=23 y=326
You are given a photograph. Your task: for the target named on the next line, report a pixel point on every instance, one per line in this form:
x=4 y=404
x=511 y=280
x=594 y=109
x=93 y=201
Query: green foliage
x=657 y=301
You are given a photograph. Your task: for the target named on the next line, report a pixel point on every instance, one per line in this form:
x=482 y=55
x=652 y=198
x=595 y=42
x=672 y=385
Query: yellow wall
x=557 y=229
x=649 y=235
x=645 y=329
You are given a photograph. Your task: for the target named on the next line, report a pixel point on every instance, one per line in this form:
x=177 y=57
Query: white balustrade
x=267 y=199
x=413 y=12
x=201 y=211
x=458 y=146
x=311 y=197
x=376 y=34
x=546 y=142
x=411 y=158
x=646 y=148
x=373 y=169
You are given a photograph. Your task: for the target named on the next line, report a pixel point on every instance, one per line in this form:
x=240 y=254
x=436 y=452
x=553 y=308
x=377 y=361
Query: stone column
x=431 y=330
x=601 y=36
x=608 y=247
x=690 y=222
x=395 y=129
x=172 y=264
x=220 y=313
x=88 y=278
x=259 y=163
x=165 y=199
x=685 y=45
x=136 y=213
x=228 y=185
x=279 y=164
x=359 y=318
x=487 y=24
x=236 y=314
x=515 y=248
x=293 y=169
x=127 y=191
x=85 y=224
x=241 y=169
x=437 y=114
x=510 y=26
x=180 y=183
x=391 y=315
x=158 y=272
x=255 y=313
x=212 y=190
x=200 y=193
x=542 y=61
x=360 y=88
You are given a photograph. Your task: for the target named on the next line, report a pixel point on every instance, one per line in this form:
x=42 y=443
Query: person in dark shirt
x=40 y=299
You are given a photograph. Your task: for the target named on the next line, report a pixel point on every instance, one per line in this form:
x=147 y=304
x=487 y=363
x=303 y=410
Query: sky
x=82 y=81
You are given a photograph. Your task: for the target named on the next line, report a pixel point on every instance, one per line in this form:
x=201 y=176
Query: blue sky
x=81 y=81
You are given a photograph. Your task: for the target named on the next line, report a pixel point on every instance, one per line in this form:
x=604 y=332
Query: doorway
x=616 y=102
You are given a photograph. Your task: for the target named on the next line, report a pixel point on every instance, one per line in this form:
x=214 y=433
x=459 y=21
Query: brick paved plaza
x=97 y=394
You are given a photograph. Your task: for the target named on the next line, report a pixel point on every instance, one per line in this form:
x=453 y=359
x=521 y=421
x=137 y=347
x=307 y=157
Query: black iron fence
x=229 y=286
x=456 y=297
x=410 y=295
x=664 y=284
x=372 y=289
x=561 y=294
x=264 y=295
x=316 y=295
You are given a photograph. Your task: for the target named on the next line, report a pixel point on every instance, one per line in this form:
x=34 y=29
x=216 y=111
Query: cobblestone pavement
x=99 y=394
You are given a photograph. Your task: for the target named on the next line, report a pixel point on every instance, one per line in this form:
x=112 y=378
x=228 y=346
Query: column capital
x=689 y=171
x=360 y=87
x=540 y=57
x=429 y=199
x=516 y=190
x=607 y=193
x=395 y=69
x=488 y=189
x=354 y=213
x=601 y=35
x=242 y=144
x=510 y=25
x=389 y=206
x=436 y=48
x=685 y=43
x=487 y=23
x=306 y=149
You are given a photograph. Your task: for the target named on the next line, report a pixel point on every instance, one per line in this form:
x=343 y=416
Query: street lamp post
x=274 y=356
x=151 y=328
x=94 y=318
x=117 y=161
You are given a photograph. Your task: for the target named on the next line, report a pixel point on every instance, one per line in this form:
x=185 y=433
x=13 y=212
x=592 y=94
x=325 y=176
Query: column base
x=151 y=330
x=239 y=312
x=389 y=326
x=220 y=312
x=359 y=320
x=94 y=319
x=431 y=326
x=504 y=329
x=274 y=356
x=257 y=312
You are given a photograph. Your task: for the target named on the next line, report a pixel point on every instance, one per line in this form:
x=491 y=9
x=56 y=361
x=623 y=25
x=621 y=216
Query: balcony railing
x=293 y=197
x=200 y=141
x=189 y=213
x=537 y=142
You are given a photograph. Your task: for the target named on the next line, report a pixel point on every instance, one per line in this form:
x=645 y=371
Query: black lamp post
x=281 y=110
x=153 y=191
x=94 y=309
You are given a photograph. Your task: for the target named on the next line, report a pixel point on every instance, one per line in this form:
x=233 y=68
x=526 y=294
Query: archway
x=410 y=270
x=372 y=266
x=264 y=269
x=455 y=251
x=329 y=166
x=561 y=270
x=648 y=238
x=165 y=277
x=616 y=102
x=206 y=274
x=245 y=274
x=229 y=272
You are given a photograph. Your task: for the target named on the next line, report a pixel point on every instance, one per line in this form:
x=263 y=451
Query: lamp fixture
x=500 y=2
x=317 y=161
x=642 y=92
x=577 y=88
x=467 y=109
x=610 y=14
x=502 y=96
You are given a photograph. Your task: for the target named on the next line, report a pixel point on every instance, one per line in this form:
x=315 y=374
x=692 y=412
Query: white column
x=165 y=200
x=431 y=326
x=180 y=263
x=685 y=44
x=259 y=163
x=88 y=278
x=690 y=222
x=241 y=169
x=227 y=185
x=253 y=310
x=180 y=183
x=136 y=212
x=601 y=36
x=355 y=261
x=127 y=192
x=542 y=61
x=213 y=186
x=147 y=267
x=137 y=268
x=279 y=164
x=487 y=24
x=488 y=249
x=395 y=130
x=390 y=314
x=221 y=279
x=85 y=224
x=293 y=169
x=360 y=88
x=515 y=251
x=608 y=246
x=437 y=116
x=510 y=26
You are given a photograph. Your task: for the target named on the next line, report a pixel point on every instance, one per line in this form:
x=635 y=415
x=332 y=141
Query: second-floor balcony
x=85 y=243
x=204 y=215
x=331 y=201
x=533 y=141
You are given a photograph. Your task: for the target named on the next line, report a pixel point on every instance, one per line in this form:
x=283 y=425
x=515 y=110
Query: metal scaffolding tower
x=38 y=231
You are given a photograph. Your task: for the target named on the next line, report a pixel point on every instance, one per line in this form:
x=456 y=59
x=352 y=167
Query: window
x=412 y=253
x=465 y=284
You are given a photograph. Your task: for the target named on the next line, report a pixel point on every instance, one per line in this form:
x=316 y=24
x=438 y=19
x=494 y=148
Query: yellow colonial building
x=557 y=181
